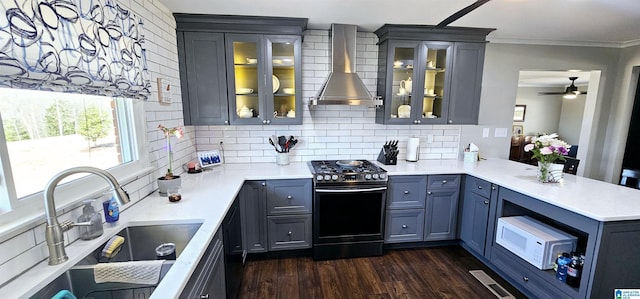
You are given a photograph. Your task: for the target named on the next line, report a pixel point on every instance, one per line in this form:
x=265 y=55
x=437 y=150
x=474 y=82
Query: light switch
x=485 y=132
x=501 y=132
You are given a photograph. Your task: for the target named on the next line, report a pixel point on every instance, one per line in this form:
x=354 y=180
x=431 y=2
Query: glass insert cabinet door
x=435 y=85
x=285 y=81
x=264 y=80
x=243 y=77
x=402 y=79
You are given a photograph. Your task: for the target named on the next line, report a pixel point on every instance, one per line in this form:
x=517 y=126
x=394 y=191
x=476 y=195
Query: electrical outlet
x=501 y=132
x=429 y=138
x=485 y=132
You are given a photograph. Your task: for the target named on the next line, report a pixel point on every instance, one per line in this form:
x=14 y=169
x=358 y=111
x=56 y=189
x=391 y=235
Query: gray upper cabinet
x=202 y=78
x=430 y=75
x=240 y=70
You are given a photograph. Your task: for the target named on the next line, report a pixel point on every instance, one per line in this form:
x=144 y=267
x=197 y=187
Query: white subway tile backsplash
x=17 y=245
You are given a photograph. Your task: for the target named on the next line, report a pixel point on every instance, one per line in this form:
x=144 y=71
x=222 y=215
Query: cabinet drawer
x=404 y=226
x=526 y=278
x=289 y=232
x=288 y=197
x=407 y=192
x=478 y=186
x=443 y=181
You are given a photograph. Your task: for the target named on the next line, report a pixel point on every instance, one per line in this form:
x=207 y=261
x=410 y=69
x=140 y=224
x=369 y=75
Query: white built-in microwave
x=534 y=241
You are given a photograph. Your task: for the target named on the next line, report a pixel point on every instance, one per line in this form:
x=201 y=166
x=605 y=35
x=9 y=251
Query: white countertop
x=207 y=196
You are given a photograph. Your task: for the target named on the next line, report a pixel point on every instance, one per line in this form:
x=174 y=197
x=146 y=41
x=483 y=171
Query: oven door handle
x=350 y=190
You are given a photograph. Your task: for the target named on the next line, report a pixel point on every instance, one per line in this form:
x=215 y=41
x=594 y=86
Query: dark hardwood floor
x=438 y=272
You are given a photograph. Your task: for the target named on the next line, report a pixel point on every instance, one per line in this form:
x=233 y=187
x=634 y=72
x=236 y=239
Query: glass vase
x=549 y=172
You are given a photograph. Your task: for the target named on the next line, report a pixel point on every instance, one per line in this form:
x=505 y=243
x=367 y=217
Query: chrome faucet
x=54 y=232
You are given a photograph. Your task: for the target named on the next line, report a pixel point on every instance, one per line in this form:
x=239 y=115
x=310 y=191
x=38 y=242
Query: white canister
x=413 y=149
x=282 y=158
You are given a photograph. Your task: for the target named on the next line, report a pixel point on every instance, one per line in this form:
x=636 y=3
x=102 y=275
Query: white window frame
x=16 y=213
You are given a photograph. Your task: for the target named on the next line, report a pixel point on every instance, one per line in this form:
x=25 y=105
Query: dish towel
x=138 y=272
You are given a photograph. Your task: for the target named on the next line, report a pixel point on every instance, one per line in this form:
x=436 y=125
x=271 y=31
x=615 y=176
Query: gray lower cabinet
x=289 y=232
x=442 y=208
x=404 y=226
x=253 y=208
x=478 y=198
x=276 y=215
x=422 y=208
x=208 y=279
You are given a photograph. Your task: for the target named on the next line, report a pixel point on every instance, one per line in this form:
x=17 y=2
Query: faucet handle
x=66 y=225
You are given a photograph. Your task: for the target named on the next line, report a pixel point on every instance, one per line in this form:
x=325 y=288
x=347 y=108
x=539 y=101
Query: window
x=46 y=132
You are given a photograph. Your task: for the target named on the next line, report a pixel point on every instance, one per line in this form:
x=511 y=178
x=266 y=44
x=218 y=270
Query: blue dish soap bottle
x=110 y=207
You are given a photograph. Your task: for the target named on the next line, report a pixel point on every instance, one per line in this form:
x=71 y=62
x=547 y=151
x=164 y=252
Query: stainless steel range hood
x=344 y=86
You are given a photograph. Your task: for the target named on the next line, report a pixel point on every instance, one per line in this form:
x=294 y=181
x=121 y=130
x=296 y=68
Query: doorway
x=542 y=108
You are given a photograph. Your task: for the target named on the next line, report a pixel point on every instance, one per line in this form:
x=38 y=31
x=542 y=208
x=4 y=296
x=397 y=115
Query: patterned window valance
x=84 y=46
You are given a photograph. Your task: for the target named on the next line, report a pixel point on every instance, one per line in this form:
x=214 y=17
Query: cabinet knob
x=415 y=121
x=404 y=226
x=480 y=187
x=226 y=122
x=289 y=233
x=406 y=191
x=418 y=121
x=429 y=192
x=289 y=197
x=264 y=122
x=493 y=187
x=450 y=121
x=263 y=184
x=486 y=202
x=205 y=296
x=525 y=278
x=444 y=182
x=268 y=121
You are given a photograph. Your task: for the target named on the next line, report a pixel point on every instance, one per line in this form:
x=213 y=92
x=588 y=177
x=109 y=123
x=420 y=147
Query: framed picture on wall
x=518 y=130
x=518 y=113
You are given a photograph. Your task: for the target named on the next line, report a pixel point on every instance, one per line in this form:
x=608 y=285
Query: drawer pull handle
x=289 y=197
x=526 y=279
x=480 y=187
x=404 y=226
x=406 y=191
x=486 y=202
x=444 y=182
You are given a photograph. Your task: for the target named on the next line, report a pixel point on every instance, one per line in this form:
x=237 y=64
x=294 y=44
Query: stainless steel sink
x=140 y=244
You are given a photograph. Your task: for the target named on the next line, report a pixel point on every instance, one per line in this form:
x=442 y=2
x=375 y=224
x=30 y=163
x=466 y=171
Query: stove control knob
x=367 y=176
x=334 y=177
x=375 y=176
x=327 y=177
x=319 y=178
x=382 y=176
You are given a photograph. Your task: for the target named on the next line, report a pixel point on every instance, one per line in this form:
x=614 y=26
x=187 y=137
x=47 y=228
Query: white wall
x=622 y=105
x=503 y=63
x=542 y=114
x=571 y=119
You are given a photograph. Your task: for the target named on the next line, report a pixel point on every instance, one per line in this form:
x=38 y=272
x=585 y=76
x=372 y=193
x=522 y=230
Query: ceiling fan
x=571 y=92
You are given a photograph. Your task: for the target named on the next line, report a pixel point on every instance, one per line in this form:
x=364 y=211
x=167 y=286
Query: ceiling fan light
x=570 y=96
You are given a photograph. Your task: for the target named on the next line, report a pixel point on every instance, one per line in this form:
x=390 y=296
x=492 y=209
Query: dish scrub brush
x=112 y=247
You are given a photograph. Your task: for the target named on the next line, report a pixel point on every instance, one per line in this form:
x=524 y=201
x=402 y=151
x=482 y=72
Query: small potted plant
x=169 y=179
x=548 y=149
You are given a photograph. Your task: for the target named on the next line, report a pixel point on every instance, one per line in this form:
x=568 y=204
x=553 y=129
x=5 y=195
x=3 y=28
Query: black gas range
x=348 y=208
x=347 y=172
